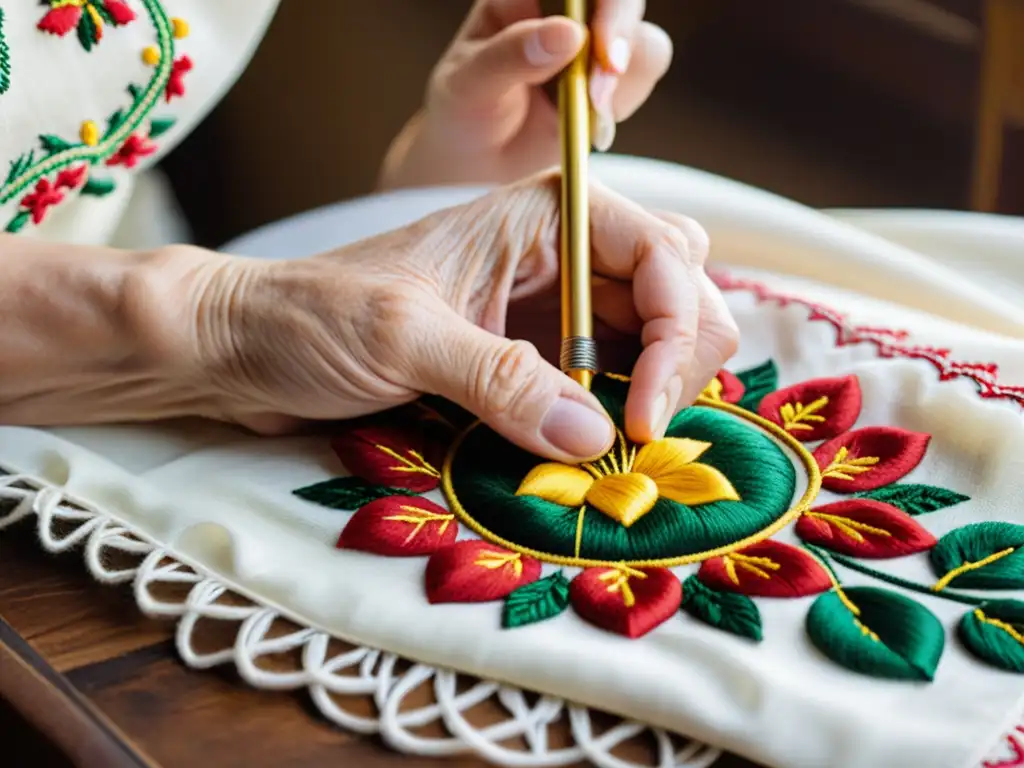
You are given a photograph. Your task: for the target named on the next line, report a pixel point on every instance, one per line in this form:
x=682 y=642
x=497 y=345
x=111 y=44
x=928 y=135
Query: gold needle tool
x=578 y=357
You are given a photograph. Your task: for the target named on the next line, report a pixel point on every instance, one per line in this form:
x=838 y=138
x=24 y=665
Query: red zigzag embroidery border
x=885 y=340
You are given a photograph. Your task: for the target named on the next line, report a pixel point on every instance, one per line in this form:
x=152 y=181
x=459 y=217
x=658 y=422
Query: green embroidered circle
x=483 y=473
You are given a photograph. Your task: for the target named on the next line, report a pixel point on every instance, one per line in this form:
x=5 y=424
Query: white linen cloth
x=224 y=498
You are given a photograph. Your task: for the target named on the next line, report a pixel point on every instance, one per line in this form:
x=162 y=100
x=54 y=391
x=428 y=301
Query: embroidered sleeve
x=94 y=90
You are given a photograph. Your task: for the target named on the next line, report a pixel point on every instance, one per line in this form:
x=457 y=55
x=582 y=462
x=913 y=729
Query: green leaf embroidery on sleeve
x=20 y=220
x=757 y=382
x=98 y=187
x=994 y=632
x=877 y=632
x=159 y=126
x=88 y=34
x=915 y=498
x=135 y=91
x=19 y=164
x=5 y=58
x=539 y=601
x=980 y=556
x=347 y=493
x=728 y=611
x=53 y=143
x=114 y=122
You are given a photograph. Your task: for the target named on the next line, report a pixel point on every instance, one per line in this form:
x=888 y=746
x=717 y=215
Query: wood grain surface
x=86 y=680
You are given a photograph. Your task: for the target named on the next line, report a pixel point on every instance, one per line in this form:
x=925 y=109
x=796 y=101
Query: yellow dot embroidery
x=151 y=55
x=180 y=27
x=89 y=133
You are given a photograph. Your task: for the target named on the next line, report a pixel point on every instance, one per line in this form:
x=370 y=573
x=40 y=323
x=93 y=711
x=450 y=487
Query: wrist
x=96 y=334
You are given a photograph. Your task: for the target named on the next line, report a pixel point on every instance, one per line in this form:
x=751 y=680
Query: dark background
x=829 y=102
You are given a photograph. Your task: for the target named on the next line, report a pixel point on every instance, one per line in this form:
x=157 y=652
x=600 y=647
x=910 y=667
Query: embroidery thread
x=87 y=17
x=5 y=58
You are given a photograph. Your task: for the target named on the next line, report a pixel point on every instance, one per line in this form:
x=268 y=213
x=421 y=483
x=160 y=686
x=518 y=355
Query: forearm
x=89 y=334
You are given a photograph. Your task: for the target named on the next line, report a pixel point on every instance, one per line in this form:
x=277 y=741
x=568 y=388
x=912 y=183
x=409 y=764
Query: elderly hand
x=422 y=310
x=486 y=117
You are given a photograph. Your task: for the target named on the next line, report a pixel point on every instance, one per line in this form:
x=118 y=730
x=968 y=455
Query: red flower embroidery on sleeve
x=119 y=12
x=134 y=147
x=71 y=178
x=176 y=83
x=40 y=199
x=60 y=19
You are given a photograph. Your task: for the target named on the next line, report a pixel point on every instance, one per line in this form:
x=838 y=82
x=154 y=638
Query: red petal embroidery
x=766 y=569
x=864 y=528
x=869 y=458
x=134 y=147
x=814 y=410
x=477 y=572
x=627 y=601
x=40 y=199
x=732 y=387
x=400 y=526
x=119 y=12
x=70 y=178
x=176 y=82
x=60 y=21
x=388 y=454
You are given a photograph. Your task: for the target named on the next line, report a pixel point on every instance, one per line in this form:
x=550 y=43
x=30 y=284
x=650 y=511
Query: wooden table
x=86 y=680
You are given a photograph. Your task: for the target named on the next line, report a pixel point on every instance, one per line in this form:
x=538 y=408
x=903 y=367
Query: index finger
x=614 y=25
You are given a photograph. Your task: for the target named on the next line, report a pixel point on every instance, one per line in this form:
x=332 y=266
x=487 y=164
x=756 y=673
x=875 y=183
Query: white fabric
x=55 y=85
x=223 y=498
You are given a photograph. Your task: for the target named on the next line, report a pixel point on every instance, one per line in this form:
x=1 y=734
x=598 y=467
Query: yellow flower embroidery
x=626 y=483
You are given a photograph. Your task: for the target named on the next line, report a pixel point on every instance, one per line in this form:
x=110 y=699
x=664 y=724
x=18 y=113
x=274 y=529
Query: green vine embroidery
x=5 y=58
x=119 y=143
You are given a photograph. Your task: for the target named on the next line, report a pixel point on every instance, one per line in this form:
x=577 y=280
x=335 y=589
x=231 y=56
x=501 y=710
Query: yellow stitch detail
x=616 y=377
x=814 y=476
x=842 y=469
x=423 y=468
x=579 y=530
x=95 y=16
x=419 y=518
x=1007 y=628
x=181 y=28
x=619 y=576
x=89 y=133
x=851 y=528
x=942 y=583
x=493 y=560
x=793 y=415
x=713 y=391
x=151 y=55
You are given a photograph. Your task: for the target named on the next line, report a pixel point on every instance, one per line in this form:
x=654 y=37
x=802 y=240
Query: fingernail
x=618 y=55
x=663 y=410
x=550 y=43
x=602 y=129
x=602 y=86
x=577 y=429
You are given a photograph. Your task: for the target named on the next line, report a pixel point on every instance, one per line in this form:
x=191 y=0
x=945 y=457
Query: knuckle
x=508 y=381
x=687 y=237
x=389 y=314
x=667 y=329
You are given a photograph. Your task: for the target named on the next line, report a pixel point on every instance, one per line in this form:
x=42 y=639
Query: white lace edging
x=354 y=673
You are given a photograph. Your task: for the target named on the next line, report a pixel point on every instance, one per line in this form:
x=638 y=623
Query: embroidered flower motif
x=176 y=82
x=38 y=202
x=714 y=492
x=626 y=484
x=134 y=147
x=87 y=16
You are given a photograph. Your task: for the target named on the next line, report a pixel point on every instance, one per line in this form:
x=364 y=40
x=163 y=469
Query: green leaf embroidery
x=88 y=34
x=915 y=498
x=19 y=164
x=728 y=611
x=541 y=600
x=757 y=382
x=101 y=9
x=877 y=632
x=347 y=493
x=53 y=144
x=980 y=556
x=20 y=220
x=160 y=125
x=98 y=187
x=114 y=122
x=994 y=632
x=5 y=58
x=135 y=91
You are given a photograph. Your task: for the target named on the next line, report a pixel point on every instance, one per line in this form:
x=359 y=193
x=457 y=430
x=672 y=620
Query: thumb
x=529 y=52
x=512 y=389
